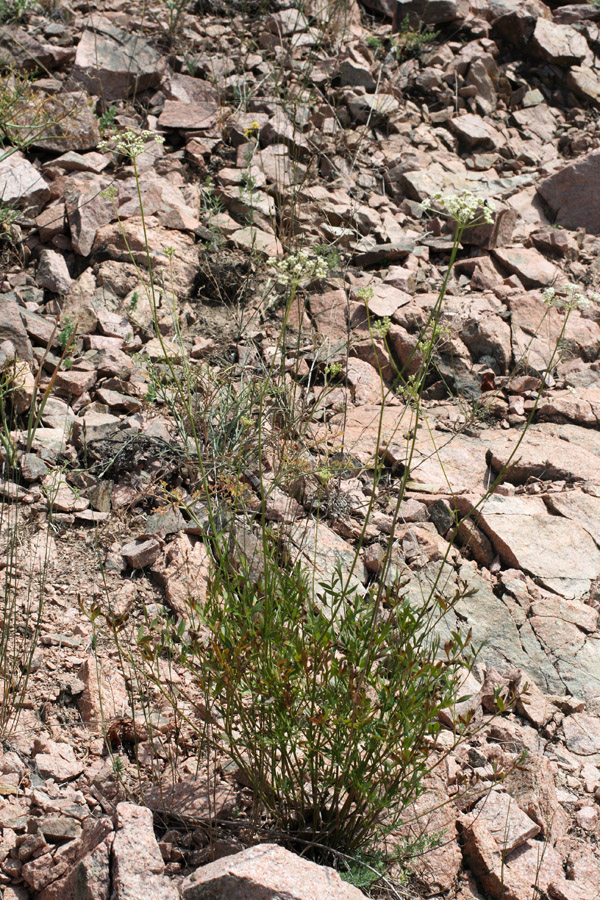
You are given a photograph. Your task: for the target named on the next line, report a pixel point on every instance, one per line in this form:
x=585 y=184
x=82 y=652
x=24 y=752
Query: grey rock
x=430 y=12
x=353 y=74
x=12 y=327
x=21 y=184
x=141 y=552
x=52 y=272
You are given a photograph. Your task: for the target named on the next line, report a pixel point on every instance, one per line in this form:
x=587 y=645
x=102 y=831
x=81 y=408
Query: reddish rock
x=386 y=300
x=365 y=381
x=506 y=822
x=12 y=327
x=74 y=382
x=88 y=879
x=138 y=866
x=559 y=44
x=548 y=547
x=43 y=871
x=104 y=696
x=194 y=798
x=532 y=269
x=113 y=62
x=266 y=871
x=51 y=221
x=57 y=761
x=568 y=196
x=585 y=83
x=438 y=869
x=52 y=272
x=72 y=124
x=475 y=131
x=191 y=104
x=531 y=785
x=532 y=865
x=87 y=211
x=185 y=574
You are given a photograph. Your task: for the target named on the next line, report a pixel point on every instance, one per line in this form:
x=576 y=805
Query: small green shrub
x=410 y=40
x=327 y=698
x=16 y=10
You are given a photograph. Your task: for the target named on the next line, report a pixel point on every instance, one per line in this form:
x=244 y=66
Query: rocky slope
x=320 y=125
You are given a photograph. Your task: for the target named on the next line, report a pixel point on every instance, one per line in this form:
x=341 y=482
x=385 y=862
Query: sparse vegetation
x=244 y=378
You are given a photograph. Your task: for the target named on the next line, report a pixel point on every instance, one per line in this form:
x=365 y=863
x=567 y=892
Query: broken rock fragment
x=508 y=825
x=137 y=861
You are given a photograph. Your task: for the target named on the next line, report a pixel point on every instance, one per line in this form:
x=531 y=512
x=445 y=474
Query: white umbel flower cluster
x=131 y=143
x=298 y=267
x=465 y=208
x=568 y=296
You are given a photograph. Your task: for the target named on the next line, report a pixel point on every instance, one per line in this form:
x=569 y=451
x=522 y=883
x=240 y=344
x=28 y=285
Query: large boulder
x=266 y=872
x=570 y=195
x=115 y=63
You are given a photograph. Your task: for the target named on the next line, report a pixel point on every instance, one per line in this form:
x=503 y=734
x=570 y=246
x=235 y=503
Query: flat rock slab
x=496 y=624
x=568 y=195
x=536 y=330
x=20 y=182
x=547 y=451
x=448 y=462
x=508 y=825
x=475 y=131
x=321 y=551
x=532 y=269
x=191 y=103
x=113 y=62
x=556 y=551
x=582 y=734
x=559 y=44
x=579 y=507
x=266 y=872
x=554 y=652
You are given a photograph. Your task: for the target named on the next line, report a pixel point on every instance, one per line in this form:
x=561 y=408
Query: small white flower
x=465 y=209
x=131 y=143
x=568 y=297
x=300 y=266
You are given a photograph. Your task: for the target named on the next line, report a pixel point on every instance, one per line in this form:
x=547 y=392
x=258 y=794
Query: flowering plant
x=465 y=209
x=300 y=266
x=569 y=297
x=131 y=143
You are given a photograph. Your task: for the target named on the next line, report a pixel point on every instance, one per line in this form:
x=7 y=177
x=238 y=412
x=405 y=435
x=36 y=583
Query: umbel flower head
x=300 y=266
x=131 y=143
x=465 y=209
x=568 y=297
